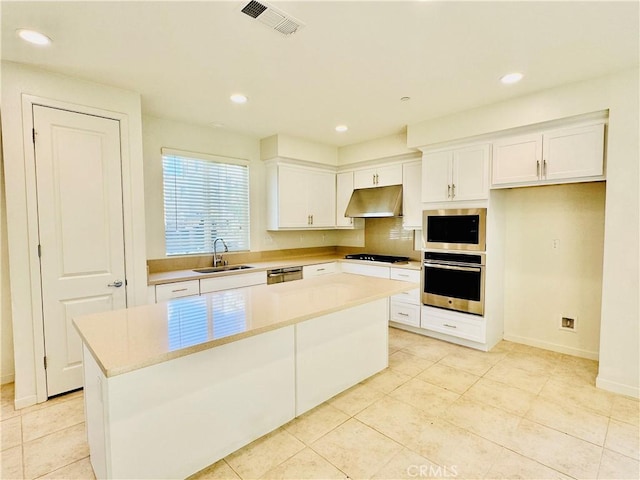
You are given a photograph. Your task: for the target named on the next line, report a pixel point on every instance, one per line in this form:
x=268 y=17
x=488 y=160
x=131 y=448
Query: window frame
x=205 y=157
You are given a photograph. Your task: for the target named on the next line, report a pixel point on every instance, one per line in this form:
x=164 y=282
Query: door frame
x=37 y=317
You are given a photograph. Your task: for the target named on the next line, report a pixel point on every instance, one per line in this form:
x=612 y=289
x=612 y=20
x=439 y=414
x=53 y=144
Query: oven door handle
x=453 y=267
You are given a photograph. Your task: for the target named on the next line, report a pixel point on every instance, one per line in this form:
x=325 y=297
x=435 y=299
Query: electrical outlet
x=568 y=323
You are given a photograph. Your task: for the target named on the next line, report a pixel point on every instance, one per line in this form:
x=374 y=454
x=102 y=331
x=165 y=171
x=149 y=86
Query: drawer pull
x=179 y=290
x=402 y=275
x=403 y=314
x=321 y=270
x=450 y=326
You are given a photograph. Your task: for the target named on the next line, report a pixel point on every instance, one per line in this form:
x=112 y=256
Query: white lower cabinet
x=167 y=291
x=309 y=271
x=366 y=270
x=232 y=281
x=456 y=324
x=405 y=306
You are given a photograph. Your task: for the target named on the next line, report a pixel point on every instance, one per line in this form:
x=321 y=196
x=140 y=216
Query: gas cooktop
x=372 y=257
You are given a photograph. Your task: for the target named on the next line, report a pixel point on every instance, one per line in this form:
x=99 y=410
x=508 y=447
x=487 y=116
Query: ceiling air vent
x=271 y=17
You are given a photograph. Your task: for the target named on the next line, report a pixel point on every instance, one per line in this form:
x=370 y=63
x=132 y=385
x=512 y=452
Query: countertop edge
x=161 y=278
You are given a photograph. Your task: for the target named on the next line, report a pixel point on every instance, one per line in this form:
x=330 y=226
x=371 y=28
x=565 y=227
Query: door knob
x=117 y=283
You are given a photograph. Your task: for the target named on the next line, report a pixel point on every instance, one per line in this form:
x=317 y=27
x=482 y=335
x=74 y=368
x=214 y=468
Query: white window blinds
x=205 y=198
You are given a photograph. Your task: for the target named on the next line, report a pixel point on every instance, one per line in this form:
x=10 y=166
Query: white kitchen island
x=173 y=387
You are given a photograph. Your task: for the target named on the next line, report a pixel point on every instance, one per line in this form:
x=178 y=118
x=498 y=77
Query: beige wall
x=7 y=369
x=286 y=146
x=619 y=351
x=376 y=149
x=158 y=133
x=543 y=283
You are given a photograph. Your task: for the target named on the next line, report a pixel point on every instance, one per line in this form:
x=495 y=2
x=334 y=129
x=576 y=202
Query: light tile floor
x=438 y=411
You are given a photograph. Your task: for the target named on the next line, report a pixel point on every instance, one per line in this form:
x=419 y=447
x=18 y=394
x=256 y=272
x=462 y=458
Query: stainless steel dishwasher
x=279 y=275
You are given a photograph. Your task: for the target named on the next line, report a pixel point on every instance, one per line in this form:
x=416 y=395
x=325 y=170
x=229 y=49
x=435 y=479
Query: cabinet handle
x=453 y=190
x=448 y=191
x=377 y=179
x=179 y=290
x=450 y=326
x=311 y=219
x=537 y=168
x=308 y=219
x=403 y=314
x=544 y=167
x=403 y=275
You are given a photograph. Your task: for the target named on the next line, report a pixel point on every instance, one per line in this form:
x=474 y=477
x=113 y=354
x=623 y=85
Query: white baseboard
x=554 y=347
x=616 y=387
x=9 y=378
x=25 y=402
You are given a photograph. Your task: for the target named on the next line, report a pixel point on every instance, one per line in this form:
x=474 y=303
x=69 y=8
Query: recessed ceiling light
x=510 y=78
x=342 y=128
x=238 y=98
x=34 y=37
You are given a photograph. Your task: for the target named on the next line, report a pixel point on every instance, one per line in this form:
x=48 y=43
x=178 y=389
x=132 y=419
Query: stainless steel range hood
x=375 y=202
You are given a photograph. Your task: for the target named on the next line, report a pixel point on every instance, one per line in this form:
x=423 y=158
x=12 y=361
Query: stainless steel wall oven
x=454 y=281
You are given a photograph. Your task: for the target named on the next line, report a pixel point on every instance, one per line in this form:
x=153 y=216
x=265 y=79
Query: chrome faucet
x=217 y=259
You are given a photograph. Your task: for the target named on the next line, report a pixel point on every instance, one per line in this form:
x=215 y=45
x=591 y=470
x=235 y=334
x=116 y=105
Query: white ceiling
x=350 y=63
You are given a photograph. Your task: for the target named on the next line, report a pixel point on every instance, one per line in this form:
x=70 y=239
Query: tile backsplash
x=386 y=236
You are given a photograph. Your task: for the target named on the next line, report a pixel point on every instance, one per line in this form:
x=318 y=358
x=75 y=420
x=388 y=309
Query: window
x=205 y=197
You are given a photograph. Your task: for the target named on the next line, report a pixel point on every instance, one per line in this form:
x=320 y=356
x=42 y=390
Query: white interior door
x=79 y=188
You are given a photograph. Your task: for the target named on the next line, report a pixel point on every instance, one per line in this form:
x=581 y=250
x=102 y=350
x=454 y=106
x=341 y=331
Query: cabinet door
x=321 y=198
x=389 y=175
x=470 y=174
x=411 y=196
x=344 y=189
x=573 y=152
x=292 y=197
x=517 y=159
x=364 y=178
x=436 y=176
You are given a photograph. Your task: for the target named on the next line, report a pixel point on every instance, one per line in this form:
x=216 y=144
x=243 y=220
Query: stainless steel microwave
x=455 y=229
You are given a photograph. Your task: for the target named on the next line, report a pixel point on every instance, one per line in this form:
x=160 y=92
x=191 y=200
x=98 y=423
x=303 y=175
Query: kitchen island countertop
x=125 y=340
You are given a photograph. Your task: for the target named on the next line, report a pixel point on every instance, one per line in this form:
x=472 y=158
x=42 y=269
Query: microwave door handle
x=453 y=267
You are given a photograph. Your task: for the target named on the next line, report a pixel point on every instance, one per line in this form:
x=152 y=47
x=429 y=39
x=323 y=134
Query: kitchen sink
x=224 y=268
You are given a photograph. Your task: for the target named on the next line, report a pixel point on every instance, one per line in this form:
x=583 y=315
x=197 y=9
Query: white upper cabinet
x=300 y=197
x=411 y=193
x=380 y=176
x=456 y=174
x=573 y=152
x=517 y=159
x=551 y=156
x=344 y=189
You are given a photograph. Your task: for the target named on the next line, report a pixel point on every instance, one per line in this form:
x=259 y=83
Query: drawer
x=453 y=323
x=405 y=275
x=309 y=271
x=232 y=281
x=367 y=270
x=404 y=313
x=412 y=297
x=167 y=291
